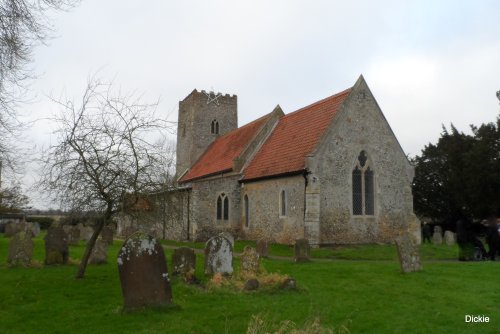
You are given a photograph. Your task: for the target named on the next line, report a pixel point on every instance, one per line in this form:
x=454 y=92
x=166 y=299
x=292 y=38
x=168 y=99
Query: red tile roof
x=295 y=136
x=220 y=154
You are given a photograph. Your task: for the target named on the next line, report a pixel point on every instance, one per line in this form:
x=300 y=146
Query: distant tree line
x=459 y=176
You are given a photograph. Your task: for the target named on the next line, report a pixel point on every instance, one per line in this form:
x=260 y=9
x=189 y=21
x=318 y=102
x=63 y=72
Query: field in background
x=360 y=287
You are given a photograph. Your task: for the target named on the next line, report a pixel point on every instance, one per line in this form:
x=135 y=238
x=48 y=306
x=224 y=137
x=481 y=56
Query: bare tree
x=105 y=151
x=23 y=25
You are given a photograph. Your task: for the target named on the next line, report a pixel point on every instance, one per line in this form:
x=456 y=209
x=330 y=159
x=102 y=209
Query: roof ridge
x=326 y=99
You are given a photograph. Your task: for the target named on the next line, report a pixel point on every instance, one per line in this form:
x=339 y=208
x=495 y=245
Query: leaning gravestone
x=20 y=249
x=449 y=238
x=99 y=253
x=143 y=272
x=409 y=258
x=183 y=260
x=218 y=256
x=302 y=250
x=249 y=261
x=262 y=247
x=56 y=246
x=107 y=234
x=437 y=237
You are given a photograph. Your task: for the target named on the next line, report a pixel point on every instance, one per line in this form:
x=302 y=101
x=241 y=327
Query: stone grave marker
x=183 y=260
x=86 y=233
x=56 y=246
x=408 y=254
x=143 y=272
x=437 y=237
x=449 y=238
x=302 y=249
x=73 y=235
x=12 y=228
x=218 y=256
x=262 y=247
x=107 y=234
x=99 y=253
x=20 y=249
x=249 y=262
x=35 y=228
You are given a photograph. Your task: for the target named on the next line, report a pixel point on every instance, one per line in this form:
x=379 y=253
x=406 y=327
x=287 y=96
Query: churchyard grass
x=363 y=290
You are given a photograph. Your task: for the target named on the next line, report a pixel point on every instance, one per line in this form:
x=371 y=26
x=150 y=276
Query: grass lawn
x=361 y=287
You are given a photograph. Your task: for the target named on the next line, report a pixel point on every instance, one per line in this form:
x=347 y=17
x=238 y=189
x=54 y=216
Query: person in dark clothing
x=493 y=237
x=426 y=233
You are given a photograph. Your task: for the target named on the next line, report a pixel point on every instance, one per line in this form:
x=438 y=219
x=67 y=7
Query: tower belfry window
x=214 y=128
x=363 y=192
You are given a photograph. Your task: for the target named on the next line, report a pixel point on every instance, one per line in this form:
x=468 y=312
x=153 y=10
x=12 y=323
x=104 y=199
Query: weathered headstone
x=12 y=228
x=73 y=235
x=56 y=246
x=107 y=234
x=218 y=256
x=20 y=249
x=183 y=260
x=249 y=262
x=409 y=258
x=143 y=272
x=228 y=236
x=86 y=233
x=35 y=228
x=99 y=253
x=262 y=247
x=449 y=238
x=437 y=237
x=302 y=249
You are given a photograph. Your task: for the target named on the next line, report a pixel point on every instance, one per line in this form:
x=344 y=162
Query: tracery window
x=214 y=128
x=363 y=198
x=222 y=207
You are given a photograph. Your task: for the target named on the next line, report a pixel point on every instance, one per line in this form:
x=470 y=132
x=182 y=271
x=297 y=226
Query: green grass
x=363 y=289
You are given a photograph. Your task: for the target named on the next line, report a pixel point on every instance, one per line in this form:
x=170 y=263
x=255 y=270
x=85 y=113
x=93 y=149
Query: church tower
x=203 y=116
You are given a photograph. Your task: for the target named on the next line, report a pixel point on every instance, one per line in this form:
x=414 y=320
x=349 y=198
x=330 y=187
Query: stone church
x=332 y=172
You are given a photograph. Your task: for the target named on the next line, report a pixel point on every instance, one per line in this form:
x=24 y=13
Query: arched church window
x=214 y=128
x=363 y=188
x=222 y=207
x=247 y=211
x=282 y=203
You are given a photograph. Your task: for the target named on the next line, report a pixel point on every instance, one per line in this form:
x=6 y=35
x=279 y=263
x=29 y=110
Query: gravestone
x=449 y=238
x=73 y=235
x=437 y=237
x=35 y=228
x=56 y=246
x=302 y=250
x=251 y=284
x=262 y=247
x=249 y=262
x=409 y=258
x=12 y=228
x=218 y=256
x=20 y=249
x=86 y=232
x=107 y=234
x=183 y=260
x=99 y=253
x=228 y=236
x=143 y=272
x=67 y=229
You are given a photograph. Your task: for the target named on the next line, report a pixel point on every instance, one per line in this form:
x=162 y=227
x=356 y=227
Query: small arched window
x=247 y=211
x=282 y=203
x=214 y=128
x=222 y=207
x=363 y=198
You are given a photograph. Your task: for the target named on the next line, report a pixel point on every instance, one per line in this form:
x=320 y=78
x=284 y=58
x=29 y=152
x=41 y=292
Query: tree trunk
x=88 y=250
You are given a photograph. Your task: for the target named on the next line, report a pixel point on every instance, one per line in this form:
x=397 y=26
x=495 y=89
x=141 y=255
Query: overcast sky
x=428 y=63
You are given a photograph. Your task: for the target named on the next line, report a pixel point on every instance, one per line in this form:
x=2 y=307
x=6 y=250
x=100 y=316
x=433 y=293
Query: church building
x=331 y=172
